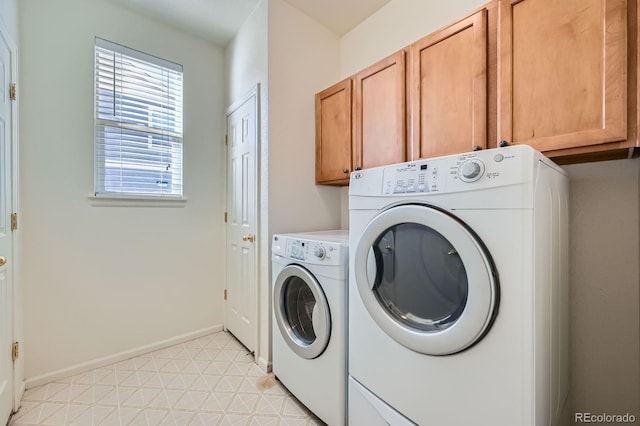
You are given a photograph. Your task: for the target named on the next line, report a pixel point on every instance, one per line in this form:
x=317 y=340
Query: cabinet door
x=563 y=69
x=380 y=119
x=449 y=89
x=333 y=134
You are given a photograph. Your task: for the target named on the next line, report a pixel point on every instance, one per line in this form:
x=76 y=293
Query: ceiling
x=219 y=20
x=340 y=16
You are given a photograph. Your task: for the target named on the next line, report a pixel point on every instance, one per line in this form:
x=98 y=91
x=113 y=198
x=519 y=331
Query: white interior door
x=6 y=240
x=241 y=311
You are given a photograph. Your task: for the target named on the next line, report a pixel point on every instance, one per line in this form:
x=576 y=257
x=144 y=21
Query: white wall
x=247 y=66
x=303 y=59
x=246 y=58
x=100 y=280
x=605 y=238
x=396 y=25
x=604 y=287
x=9 y=16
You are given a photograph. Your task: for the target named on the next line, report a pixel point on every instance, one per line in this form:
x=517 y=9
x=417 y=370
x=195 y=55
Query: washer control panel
x=308 y=251
x=319 y=252
x=297 y=249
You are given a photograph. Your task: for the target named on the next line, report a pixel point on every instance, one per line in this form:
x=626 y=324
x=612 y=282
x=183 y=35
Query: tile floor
x=207 y=381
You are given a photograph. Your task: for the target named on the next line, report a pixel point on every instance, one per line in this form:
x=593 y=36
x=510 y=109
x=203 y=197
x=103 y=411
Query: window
x=138 y=123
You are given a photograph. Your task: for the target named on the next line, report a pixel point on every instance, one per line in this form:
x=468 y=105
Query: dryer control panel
x=499 y=167
x=417 y=177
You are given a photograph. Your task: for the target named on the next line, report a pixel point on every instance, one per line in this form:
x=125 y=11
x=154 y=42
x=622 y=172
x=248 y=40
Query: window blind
x=138 y=123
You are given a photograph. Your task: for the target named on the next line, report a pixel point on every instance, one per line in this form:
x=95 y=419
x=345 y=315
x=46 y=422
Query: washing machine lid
x=301 y=311
x=426 y=279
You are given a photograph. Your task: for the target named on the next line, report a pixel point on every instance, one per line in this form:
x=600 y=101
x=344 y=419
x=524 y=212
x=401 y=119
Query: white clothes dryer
x=310 y=273
x=458 y=292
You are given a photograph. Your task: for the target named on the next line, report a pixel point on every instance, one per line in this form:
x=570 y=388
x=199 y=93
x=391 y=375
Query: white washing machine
x=310 y=273
x=458 y=297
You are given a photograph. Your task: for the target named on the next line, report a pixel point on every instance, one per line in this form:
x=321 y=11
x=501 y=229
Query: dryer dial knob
x=319 y=252
x=471 y=170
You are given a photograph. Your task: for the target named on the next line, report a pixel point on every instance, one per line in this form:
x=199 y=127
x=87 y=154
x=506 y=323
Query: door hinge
x=12 y=92
x=14 y=221
x=225 y=294
x=226 y=139
x=15 y=351
x=225 y=217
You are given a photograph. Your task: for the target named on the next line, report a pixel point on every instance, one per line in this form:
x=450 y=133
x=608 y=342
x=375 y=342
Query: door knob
x=3 y=260
x=249 y=237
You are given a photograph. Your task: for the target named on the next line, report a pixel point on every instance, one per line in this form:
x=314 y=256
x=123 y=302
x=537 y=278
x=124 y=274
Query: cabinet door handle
x=358 y=168
x=345 y=171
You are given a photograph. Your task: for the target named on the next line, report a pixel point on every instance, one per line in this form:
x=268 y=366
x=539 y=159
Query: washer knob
x=319 y=252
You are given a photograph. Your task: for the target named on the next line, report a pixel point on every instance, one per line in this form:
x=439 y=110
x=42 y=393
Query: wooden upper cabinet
x=380 y=113
x=333 y=133
x=448 y=89
x=559 y=75
x=563 y=73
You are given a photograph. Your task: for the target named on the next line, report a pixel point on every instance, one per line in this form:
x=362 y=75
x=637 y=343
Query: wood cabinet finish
x=333 y=134
x=563 y=72
x=380 y=114
x=559 y=75
x=449 y=89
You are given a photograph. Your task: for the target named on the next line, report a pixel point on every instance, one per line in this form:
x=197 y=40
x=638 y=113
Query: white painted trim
x=254 y=91
x=136 y=201
x=121 y=356
x=18 y=365
x=264 y=364
x=21 y=388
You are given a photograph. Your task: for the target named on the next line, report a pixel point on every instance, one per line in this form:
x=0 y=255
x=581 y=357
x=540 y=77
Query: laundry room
x=124 y=309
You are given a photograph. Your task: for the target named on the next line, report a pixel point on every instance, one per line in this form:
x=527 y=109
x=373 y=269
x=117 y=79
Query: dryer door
x=301 y=311
x=426 y=279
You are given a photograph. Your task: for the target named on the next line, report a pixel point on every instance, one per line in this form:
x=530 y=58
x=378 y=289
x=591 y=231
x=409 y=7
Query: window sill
x=135 y=201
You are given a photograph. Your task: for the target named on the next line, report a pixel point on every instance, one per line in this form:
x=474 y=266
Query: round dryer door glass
x=420 y=279
x=301 y=311
x=426 y=279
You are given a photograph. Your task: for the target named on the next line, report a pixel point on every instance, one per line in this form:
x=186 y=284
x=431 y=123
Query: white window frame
x=142 y=88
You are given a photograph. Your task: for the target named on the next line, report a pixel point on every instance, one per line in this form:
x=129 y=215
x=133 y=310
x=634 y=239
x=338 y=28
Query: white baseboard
x=264 y=364
x=121 y=356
